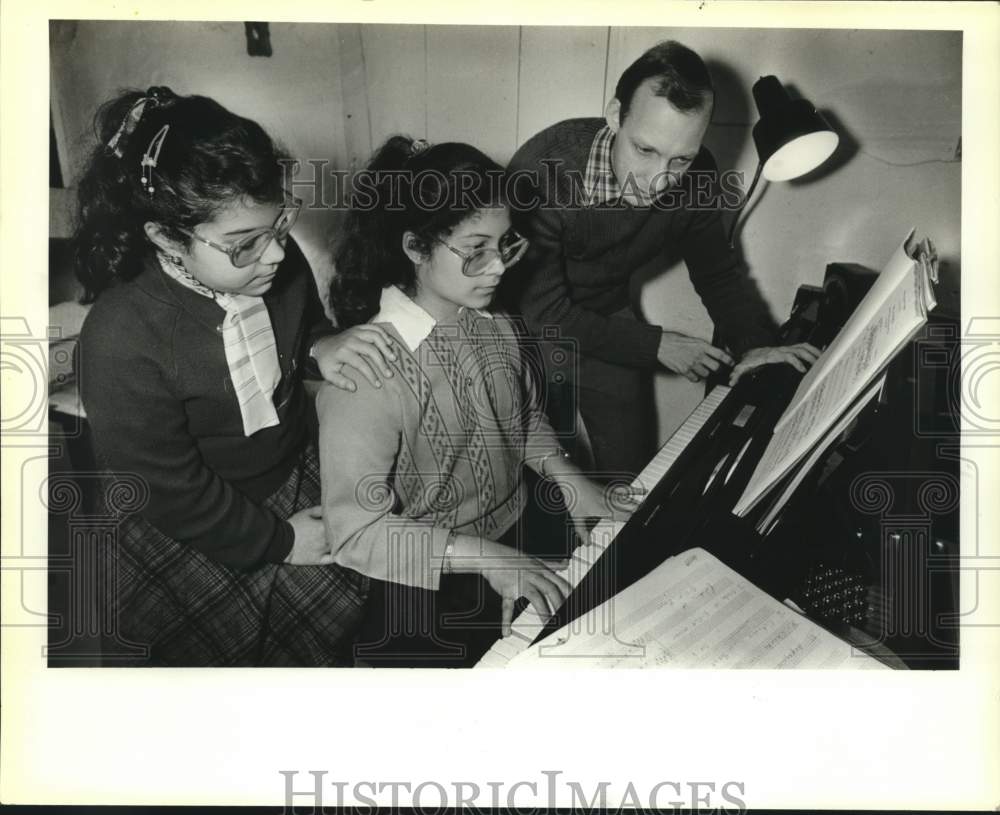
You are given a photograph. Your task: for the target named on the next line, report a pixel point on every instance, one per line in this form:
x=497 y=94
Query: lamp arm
x=746 y=200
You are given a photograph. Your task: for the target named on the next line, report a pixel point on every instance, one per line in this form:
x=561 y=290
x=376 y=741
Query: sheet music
x=900 y=265
x=899 y=316
x=693 y=611
x=818 y=451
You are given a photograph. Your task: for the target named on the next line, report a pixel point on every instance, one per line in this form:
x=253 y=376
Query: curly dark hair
x=210 y=158
x=405 y=189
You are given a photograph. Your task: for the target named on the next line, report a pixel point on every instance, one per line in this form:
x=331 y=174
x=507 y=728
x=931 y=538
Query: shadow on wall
x=729 y=132
x=728 y=137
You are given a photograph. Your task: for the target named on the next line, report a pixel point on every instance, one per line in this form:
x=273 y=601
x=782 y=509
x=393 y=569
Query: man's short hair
x=679 y=76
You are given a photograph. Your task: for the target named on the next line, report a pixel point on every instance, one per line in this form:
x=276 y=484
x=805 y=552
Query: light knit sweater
x=438 y=448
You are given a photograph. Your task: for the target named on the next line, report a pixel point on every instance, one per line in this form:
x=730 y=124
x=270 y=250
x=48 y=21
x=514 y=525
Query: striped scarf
x=251 y=352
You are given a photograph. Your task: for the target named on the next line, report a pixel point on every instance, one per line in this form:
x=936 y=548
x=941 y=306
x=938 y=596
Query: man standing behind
x=609 y=197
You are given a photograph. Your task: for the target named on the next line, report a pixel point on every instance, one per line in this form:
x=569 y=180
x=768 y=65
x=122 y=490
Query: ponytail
x=364 y=260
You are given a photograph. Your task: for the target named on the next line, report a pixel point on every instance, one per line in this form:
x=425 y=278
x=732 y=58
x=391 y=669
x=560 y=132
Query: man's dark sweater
x=156 y=387
x=577 y=272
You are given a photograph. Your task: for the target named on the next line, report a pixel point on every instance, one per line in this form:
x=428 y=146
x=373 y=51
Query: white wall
x=337 y=91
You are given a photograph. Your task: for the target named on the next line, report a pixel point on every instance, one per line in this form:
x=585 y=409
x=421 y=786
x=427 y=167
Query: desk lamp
x=791 y=137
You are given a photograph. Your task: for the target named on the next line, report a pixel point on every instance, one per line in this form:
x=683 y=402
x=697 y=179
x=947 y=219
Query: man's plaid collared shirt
x=599 y=183
x=600 y=186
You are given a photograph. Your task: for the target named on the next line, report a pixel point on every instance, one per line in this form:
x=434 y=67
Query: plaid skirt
x=189 y=610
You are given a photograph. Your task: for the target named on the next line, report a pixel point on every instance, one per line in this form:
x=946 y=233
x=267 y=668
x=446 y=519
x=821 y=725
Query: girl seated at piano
x=423 y=488
x=191 y=363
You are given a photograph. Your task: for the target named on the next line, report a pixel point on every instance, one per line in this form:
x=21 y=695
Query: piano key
x=588 y=557
x=605 y=532
x=528 y=624
x=531 y=616
x=578 y=568
x=676 y=444
x=491 y=659
x=508 y=647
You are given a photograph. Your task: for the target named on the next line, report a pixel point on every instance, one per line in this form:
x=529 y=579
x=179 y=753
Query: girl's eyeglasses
x=512 y=248
x=251 y=247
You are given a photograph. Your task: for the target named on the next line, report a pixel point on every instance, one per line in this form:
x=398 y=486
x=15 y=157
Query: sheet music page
x=693 y=611
x=818 y=451
x=900 y=265
x=899 y=317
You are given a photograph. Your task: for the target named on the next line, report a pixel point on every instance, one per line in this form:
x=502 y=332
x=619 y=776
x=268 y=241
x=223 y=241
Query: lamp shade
x=791 y=136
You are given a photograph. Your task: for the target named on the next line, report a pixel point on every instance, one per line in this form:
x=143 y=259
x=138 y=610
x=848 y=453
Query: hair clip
x=128 y=124
x=157 y=95
x=151 y=156
x=418 y=146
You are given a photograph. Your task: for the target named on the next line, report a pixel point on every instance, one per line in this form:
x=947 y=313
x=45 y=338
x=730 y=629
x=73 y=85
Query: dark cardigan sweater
x=156 y=388
x=577 y=272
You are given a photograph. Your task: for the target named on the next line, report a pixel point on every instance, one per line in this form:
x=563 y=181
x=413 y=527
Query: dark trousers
x=615 y=403
x=620 y=428
x=409 y=627
x=618 y=412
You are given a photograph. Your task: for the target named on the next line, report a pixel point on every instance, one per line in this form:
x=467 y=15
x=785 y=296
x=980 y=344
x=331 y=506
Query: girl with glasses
x=424 y=486
x=191 y=366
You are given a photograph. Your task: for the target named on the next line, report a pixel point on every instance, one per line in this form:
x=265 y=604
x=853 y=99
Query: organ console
x=867 y=542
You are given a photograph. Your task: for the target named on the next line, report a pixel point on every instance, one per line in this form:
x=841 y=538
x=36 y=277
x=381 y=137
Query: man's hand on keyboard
x=690 y=357
x=800 y=357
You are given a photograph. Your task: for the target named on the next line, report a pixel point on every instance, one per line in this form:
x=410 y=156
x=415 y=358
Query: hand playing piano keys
x=691 y=357
x=587 y=501
x=536 y=580
x=511 y=574
x=799 y=356
x=529 y=622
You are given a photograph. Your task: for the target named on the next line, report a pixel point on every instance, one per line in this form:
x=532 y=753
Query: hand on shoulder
x=364 y=350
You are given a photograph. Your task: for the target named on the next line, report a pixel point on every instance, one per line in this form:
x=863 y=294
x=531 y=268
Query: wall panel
x=396 y=72
x=562 y=76
x=472 y=87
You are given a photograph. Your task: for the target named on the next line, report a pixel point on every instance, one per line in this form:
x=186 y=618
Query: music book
x=819 y=450
x=888 y=317
x=693 y=611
